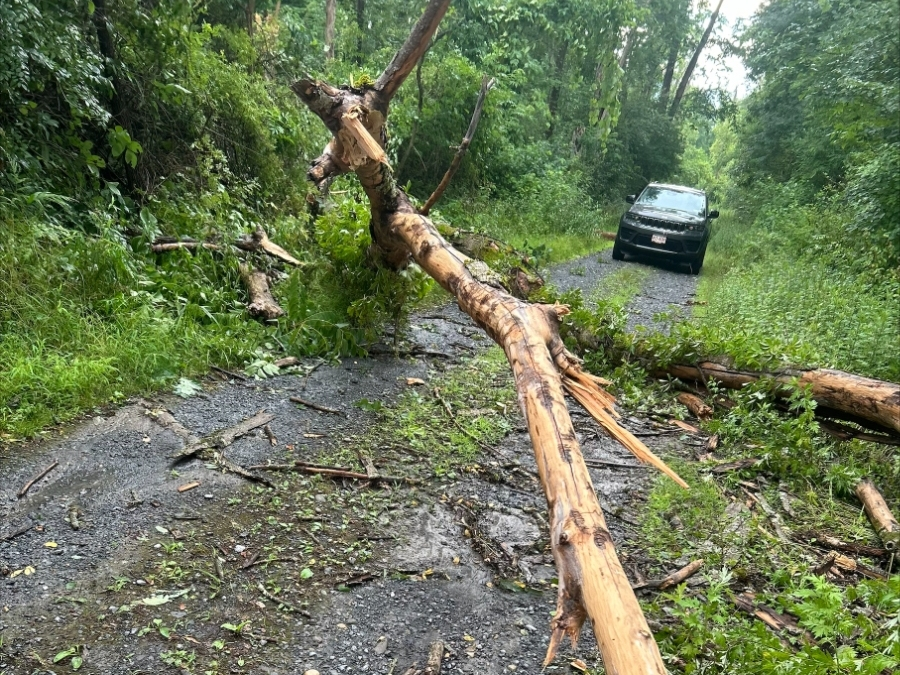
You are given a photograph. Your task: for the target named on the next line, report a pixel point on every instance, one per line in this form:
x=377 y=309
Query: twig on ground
x=29 y=484
x=281 y=603
x=316 y=406
x=458 y=425
x=229 y=373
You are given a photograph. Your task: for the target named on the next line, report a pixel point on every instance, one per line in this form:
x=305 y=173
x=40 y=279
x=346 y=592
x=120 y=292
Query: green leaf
x=63 y=655
x=76 y=662
x=306 y=573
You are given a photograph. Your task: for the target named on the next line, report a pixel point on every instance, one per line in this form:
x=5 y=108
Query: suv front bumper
x=678 y=245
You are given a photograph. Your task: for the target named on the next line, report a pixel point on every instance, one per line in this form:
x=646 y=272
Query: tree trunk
x=686 y=78
x=330 y=7
x=859 y=398
x=668 y=76
x=556 y=88
x=591 y=580
x=879 y=514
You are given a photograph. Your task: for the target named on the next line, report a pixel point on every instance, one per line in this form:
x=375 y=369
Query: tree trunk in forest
x=250 y=10
x=330 y=8
x=668 y=76
x=591 y=580
x=686 y=78
x=859 y=398
x=556 y=88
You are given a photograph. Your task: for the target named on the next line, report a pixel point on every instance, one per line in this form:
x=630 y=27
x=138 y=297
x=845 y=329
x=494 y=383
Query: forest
x=168 y=213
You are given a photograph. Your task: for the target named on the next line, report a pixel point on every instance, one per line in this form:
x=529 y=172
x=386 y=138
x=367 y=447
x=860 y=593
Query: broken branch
x=486 y=85
x=879 y=514
x=29 y=484
x=259 y=241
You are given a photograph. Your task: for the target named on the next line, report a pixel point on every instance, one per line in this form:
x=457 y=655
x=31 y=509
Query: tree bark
x=330 y=7
x=591 y=580
x=862 y=398
x=361 y=27
x=689 y=71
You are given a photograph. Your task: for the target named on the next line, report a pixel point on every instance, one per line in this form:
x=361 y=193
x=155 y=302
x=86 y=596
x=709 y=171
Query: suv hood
x=669 y=215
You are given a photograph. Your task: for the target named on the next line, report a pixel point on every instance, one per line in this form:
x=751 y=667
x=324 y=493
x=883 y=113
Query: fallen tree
x=871 y=403
x=592 y=583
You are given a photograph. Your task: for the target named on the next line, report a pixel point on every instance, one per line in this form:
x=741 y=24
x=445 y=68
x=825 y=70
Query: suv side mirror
x=631 y=199
x=713 y=214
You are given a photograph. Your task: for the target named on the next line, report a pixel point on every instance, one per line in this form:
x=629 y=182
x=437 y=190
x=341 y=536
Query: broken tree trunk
x=689 y=70
x=262 y=305
x=873 y=401
x=591 y=580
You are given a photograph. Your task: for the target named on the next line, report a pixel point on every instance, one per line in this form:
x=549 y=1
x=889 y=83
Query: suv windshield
x=664 y=198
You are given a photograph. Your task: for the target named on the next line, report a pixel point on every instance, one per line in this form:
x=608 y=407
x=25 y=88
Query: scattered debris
x=287 y=362
x=827 y=541
x=29 y=484
x=189 y=486
x=267 y=430
x=229 y=373
x=335 y=471
x=736 y=465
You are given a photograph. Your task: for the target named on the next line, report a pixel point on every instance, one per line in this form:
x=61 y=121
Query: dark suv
x=669 y=221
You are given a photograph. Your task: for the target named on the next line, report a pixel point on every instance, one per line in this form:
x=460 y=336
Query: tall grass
x=792 y=286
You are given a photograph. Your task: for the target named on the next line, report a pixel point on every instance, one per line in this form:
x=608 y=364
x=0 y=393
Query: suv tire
x=697 y=262
x=617 y=251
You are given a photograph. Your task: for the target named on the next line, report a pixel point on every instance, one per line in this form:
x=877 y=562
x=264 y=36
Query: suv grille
x=661 y=224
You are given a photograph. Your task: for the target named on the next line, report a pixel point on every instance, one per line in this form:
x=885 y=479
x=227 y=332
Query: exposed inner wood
x=262 y=305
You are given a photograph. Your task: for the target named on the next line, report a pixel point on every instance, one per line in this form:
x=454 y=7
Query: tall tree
x=689 y=71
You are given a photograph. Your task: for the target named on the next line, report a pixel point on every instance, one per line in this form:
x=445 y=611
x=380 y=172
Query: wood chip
x=188 y=486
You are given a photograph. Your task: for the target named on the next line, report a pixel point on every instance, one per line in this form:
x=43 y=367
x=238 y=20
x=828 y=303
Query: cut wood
x=862 y=398
x=879 y=514
x=696 y=405
x=591 y=580
x=25 y=488
x=261 y=305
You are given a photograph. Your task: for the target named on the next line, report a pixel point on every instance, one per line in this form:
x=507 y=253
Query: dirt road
x=114 y=559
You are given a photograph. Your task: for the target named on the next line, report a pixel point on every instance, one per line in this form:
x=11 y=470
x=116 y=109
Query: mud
x=464 y=560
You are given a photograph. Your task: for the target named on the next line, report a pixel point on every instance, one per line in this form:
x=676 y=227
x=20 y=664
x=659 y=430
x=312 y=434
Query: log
x=696 y=405
x=873 y=401
x=674 y=578
x=592 y=582
x=262 y=305
x=879 y=514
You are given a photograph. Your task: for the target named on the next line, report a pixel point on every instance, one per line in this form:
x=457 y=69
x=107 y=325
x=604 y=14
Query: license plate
x=658 y=239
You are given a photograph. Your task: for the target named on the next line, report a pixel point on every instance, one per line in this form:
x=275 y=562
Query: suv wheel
x=617 y=251
x=697 y=262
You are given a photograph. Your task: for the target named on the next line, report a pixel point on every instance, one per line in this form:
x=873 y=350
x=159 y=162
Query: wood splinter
x=879 y=514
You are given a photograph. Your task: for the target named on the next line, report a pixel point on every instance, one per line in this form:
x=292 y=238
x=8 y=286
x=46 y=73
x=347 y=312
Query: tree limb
x=416 y=44
x=486 y=85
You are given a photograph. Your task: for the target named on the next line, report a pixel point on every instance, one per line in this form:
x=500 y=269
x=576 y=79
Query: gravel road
x=89 y=557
